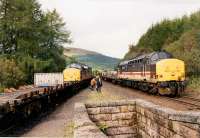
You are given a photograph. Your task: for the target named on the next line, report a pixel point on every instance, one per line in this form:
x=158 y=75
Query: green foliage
x=162 y=33
x=187 y=49
x=96 y=72
x=180 y=36
x=135 y=51
x=30 y=65
x=1 y=89
x=70 y=60
x=194 y=82
x=103 y=127
x=98 y=61
x=95 y=60
x=31 y=39
x=10 y=74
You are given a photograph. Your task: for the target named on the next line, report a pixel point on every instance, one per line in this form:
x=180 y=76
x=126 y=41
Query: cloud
x=108 y=26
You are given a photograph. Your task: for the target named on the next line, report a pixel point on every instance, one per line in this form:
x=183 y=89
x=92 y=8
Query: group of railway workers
x=96 y=83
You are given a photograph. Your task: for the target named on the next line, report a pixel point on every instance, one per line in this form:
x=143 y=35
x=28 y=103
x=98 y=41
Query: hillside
x=91 y=58
x=180 y=37
x=69 y=51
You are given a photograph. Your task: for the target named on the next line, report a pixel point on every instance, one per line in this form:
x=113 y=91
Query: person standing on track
x=98 y=83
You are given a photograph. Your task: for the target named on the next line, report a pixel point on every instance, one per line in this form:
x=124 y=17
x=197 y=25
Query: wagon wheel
x=145 y=87
x=153 y=90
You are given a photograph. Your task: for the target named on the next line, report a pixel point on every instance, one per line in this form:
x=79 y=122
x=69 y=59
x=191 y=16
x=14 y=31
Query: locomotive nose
x=171 y=70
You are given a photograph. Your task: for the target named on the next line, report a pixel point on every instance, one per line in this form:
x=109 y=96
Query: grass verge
x=69 y=130
x=102 y=96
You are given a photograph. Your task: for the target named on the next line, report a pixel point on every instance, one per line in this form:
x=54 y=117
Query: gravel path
x=56 y=123
x=60 y=122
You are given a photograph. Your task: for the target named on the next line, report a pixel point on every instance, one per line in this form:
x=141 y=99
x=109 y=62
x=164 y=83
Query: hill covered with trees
x=180 y=36
x=30 y=41
x=95 y=60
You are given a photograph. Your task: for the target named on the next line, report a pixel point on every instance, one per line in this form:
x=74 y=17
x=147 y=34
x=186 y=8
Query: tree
x=55 y=35
x=31 y=38
x=18 y=22
x=180 y=36
x=187 y=49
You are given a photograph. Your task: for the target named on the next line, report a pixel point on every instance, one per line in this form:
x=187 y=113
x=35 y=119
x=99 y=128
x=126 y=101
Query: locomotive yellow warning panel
x=77 y=72
x=72 y=74
x=170 y=70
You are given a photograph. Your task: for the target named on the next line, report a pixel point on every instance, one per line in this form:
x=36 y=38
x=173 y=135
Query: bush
x=194 y=82
x=1 y=89
x=10 y=74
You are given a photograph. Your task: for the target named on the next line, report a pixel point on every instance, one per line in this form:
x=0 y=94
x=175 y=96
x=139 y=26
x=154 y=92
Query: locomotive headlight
x=156 y=76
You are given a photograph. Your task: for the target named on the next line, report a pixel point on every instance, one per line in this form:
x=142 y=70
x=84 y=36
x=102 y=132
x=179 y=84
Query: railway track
x=191 y=101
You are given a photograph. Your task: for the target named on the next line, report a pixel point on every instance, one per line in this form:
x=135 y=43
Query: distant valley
x=95 y=60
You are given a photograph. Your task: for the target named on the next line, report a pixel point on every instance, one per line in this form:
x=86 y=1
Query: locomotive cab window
x=154 y=57
x=124 y=68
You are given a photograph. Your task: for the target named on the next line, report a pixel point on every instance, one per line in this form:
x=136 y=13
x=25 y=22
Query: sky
x=109 y=26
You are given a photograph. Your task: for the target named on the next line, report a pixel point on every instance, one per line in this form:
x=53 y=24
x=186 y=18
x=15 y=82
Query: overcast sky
x=109 y=26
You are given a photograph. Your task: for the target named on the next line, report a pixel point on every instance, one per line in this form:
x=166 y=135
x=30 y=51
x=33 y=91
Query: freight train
x=73 y=73
x=49 y=90
x=156 y=73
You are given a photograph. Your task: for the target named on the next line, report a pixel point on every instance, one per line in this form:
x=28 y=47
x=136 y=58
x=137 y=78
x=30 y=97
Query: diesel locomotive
x=156 y=73
x=77 y=72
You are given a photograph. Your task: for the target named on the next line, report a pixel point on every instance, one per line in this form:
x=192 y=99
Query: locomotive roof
x=78 y=66
x=134 y=59
x=147 y=56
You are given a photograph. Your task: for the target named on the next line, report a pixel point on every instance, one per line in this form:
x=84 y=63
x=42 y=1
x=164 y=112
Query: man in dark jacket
x=98 y=83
